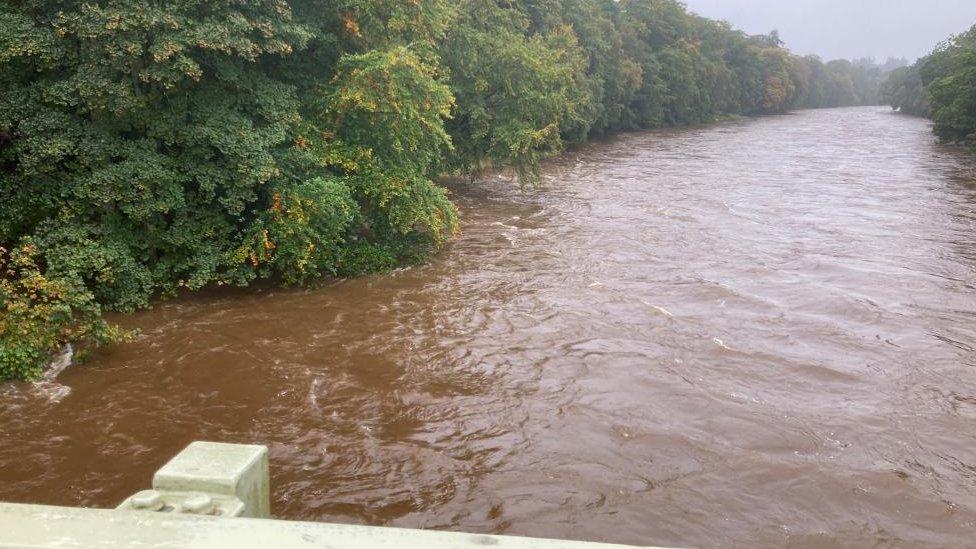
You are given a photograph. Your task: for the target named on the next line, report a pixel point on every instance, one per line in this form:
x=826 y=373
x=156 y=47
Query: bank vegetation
x=941 y=86
x=149 y=148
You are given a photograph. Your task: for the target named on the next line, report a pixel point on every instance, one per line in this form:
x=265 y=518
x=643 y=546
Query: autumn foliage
x=148 y=148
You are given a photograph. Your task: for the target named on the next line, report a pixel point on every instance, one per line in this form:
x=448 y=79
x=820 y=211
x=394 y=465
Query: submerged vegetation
x=150 y=147
x=941 y=86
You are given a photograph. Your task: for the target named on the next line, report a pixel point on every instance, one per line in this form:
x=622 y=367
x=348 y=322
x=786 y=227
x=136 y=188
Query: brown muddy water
x=760 y=333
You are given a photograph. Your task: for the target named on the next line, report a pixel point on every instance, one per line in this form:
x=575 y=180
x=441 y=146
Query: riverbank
x=295 y=145
x=755 y=333
x=940 y=86
x=489 y=173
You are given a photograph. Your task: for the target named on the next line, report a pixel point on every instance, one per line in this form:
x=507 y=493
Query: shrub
x=39 y=315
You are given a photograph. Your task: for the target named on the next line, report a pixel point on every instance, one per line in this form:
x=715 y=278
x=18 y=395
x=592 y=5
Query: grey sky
x=848 y=28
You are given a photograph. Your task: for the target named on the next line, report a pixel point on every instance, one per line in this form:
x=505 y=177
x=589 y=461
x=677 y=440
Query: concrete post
x=234 y=470
x=210 y=478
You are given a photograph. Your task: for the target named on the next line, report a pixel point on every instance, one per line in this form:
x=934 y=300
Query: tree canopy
x=151 y=147
x=941 y=86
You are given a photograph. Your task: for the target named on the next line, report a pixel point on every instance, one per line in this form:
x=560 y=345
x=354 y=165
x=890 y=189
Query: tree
x=515 y=90
x=942 y=86
x=148 y=148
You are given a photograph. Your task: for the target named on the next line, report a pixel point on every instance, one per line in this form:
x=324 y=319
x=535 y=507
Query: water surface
x=758 y=333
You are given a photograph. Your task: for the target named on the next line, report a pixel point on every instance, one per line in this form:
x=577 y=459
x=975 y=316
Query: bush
x=150 y=147
x=39 y=315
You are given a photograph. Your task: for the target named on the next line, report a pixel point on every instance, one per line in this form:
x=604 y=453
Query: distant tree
x=772 y=39
x=148 y=148
x=942 y=86
x=951 y=77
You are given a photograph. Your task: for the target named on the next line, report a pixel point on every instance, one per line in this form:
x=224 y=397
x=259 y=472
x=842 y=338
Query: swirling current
x=759 y=333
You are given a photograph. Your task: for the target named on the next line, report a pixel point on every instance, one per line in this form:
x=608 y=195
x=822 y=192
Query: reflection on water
x=762 y=332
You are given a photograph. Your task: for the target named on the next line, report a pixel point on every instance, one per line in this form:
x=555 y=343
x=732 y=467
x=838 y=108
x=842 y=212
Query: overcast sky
x=848 y=28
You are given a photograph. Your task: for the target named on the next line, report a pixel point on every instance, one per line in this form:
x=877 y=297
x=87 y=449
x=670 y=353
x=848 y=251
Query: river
x=761 y=333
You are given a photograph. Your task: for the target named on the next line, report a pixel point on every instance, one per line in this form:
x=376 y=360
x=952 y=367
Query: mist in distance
x=848 y=29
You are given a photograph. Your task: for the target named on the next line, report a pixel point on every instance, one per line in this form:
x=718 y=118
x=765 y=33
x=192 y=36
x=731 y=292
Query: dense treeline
x=941 y=86
x=149 y=147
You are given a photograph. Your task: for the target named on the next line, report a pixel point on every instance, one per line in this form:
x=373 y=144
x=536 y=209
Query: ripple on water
x=757 y=333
